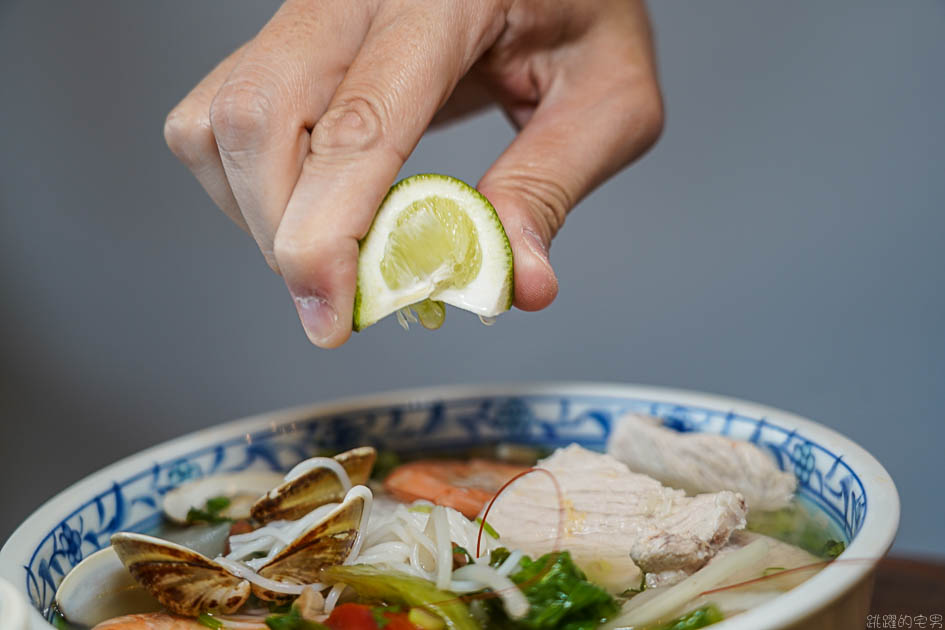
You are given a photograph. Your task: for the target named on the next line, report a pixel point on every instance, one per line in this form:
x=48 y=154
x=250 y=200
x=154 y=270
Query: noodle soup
x=502 y=536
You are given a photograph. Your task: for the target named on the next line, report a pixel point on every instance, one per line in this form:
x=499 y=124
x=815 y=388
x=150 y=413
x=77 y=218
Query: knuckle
x=188 y=135
x=652 y=116
x=355 y=125
x=312 y=166
x=240 y=114
x=289 y=252
x=640 y=99
x=547 y=199
x=317 y=256
x=550 y=202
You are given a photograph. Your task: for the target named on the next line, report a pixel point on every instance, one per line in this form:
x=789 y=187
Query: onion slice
x=662 y=605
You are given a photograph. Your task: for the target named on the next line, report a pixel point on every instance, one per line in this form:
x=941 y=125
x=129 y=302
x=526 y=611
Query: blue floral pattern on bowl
x=134 y=503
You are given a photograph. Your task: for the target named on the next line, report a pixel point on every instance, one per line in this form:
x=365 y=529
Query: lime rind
x=488 y=294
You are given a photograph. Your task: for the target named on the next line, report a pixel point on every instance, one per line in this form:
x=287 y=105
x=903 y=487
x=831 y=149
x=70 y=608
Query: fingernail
x=318 y=316
x=536 y=245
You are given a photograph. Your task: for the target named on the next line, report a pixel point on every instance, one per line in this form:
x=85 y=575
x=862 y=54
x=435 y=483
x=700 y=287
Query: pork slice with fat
x=609 y=513
x=700 y=462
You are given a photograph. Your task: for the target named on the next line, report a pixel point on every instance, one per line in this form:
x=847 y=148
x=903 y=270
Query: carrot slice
x=464 y=485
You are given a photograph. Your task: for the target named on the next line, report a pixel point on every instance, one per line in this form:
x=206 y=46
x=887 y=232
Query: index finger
x=402 y=75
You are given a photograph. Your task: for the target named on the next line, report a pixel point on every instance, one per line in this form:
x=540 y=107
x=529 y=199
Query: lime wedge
x=435 y=240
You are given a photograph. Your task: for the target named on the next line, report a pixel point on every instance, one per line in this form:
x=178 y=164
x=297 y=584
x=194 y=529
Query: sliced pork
x=606 y=508
x=700 y=462
x=780 y=558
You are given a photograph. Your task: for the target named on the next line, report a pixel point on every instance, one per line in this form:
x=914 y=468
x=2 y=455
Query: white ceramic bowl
x=844 y=481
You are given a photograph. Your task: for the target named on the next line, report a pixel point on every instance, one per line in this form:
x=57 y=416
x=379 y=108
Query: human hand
x=298 y=135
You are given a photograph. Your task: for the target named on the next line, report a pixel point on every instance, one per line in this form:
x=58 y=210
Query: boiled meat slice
x=700 y=462
x=783 y=564
x=611 y=515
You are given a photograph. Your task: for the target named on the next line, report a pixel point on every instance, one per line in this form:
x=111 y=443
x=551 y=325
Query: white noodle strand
x=444 y=547
x=320 y=462
x=395 y=537
x=244 y=572
x=512 y=598
x=511 y=563
x=365 y=493
x=333 y=596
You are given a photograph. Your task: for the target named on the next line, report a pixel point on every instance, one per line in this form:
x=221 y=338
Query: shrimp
x=163 y=621
x=462 y=485
x=150 y=621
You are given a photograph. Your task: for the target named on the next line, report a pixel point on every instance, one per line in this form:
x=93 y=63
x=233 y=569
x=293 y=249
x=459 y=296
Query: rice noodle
x=410 y=569
x=274 y=537
x=415 y=560
x=365 y=493
x=238 y=551
x=333 y=596
x=465 y=586
x=385 y=553
x=444 y=547
x=511 y=563
x=319 y=462
x=512 y=598
x=242 y=571
x=414 y=542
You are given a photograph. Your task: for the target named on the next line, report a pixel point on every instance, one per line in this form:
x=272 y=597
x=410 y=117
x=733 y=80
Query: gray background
x=783 y=243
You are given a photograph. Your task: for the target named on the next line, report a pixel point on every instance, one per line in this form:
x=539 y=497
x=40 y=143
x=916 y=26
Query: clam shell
x=294 y=499
x=184 y=581
x=243 y=488
x=328 y=542
x=99 y=588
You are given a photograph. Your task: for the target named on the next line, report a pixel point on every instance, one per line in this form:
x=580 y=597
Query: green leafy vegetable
x=488 y=528
x=208 y=620
x=60 y=622
x=796 y=525
x=699 y=618
x=498 y=556
x=399 y=588
x=211 y=511
x=832 y=548
x=630 y=592
x=771 y=571
x=218 y=504
x=461 y=557
x=378 y=613
x=421 y=509
x=292 y=620
x=559 y=594
x=386 y=462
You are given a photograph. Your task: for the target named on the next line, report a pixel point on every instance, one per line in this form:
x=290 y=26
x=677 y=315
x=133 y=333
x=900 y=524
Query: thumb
x=530 y=238
x=569 y=145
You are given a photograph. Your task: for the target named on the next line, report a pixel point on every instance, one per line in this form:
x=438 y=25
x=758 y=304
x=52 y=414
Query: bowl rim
x=870 y=544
